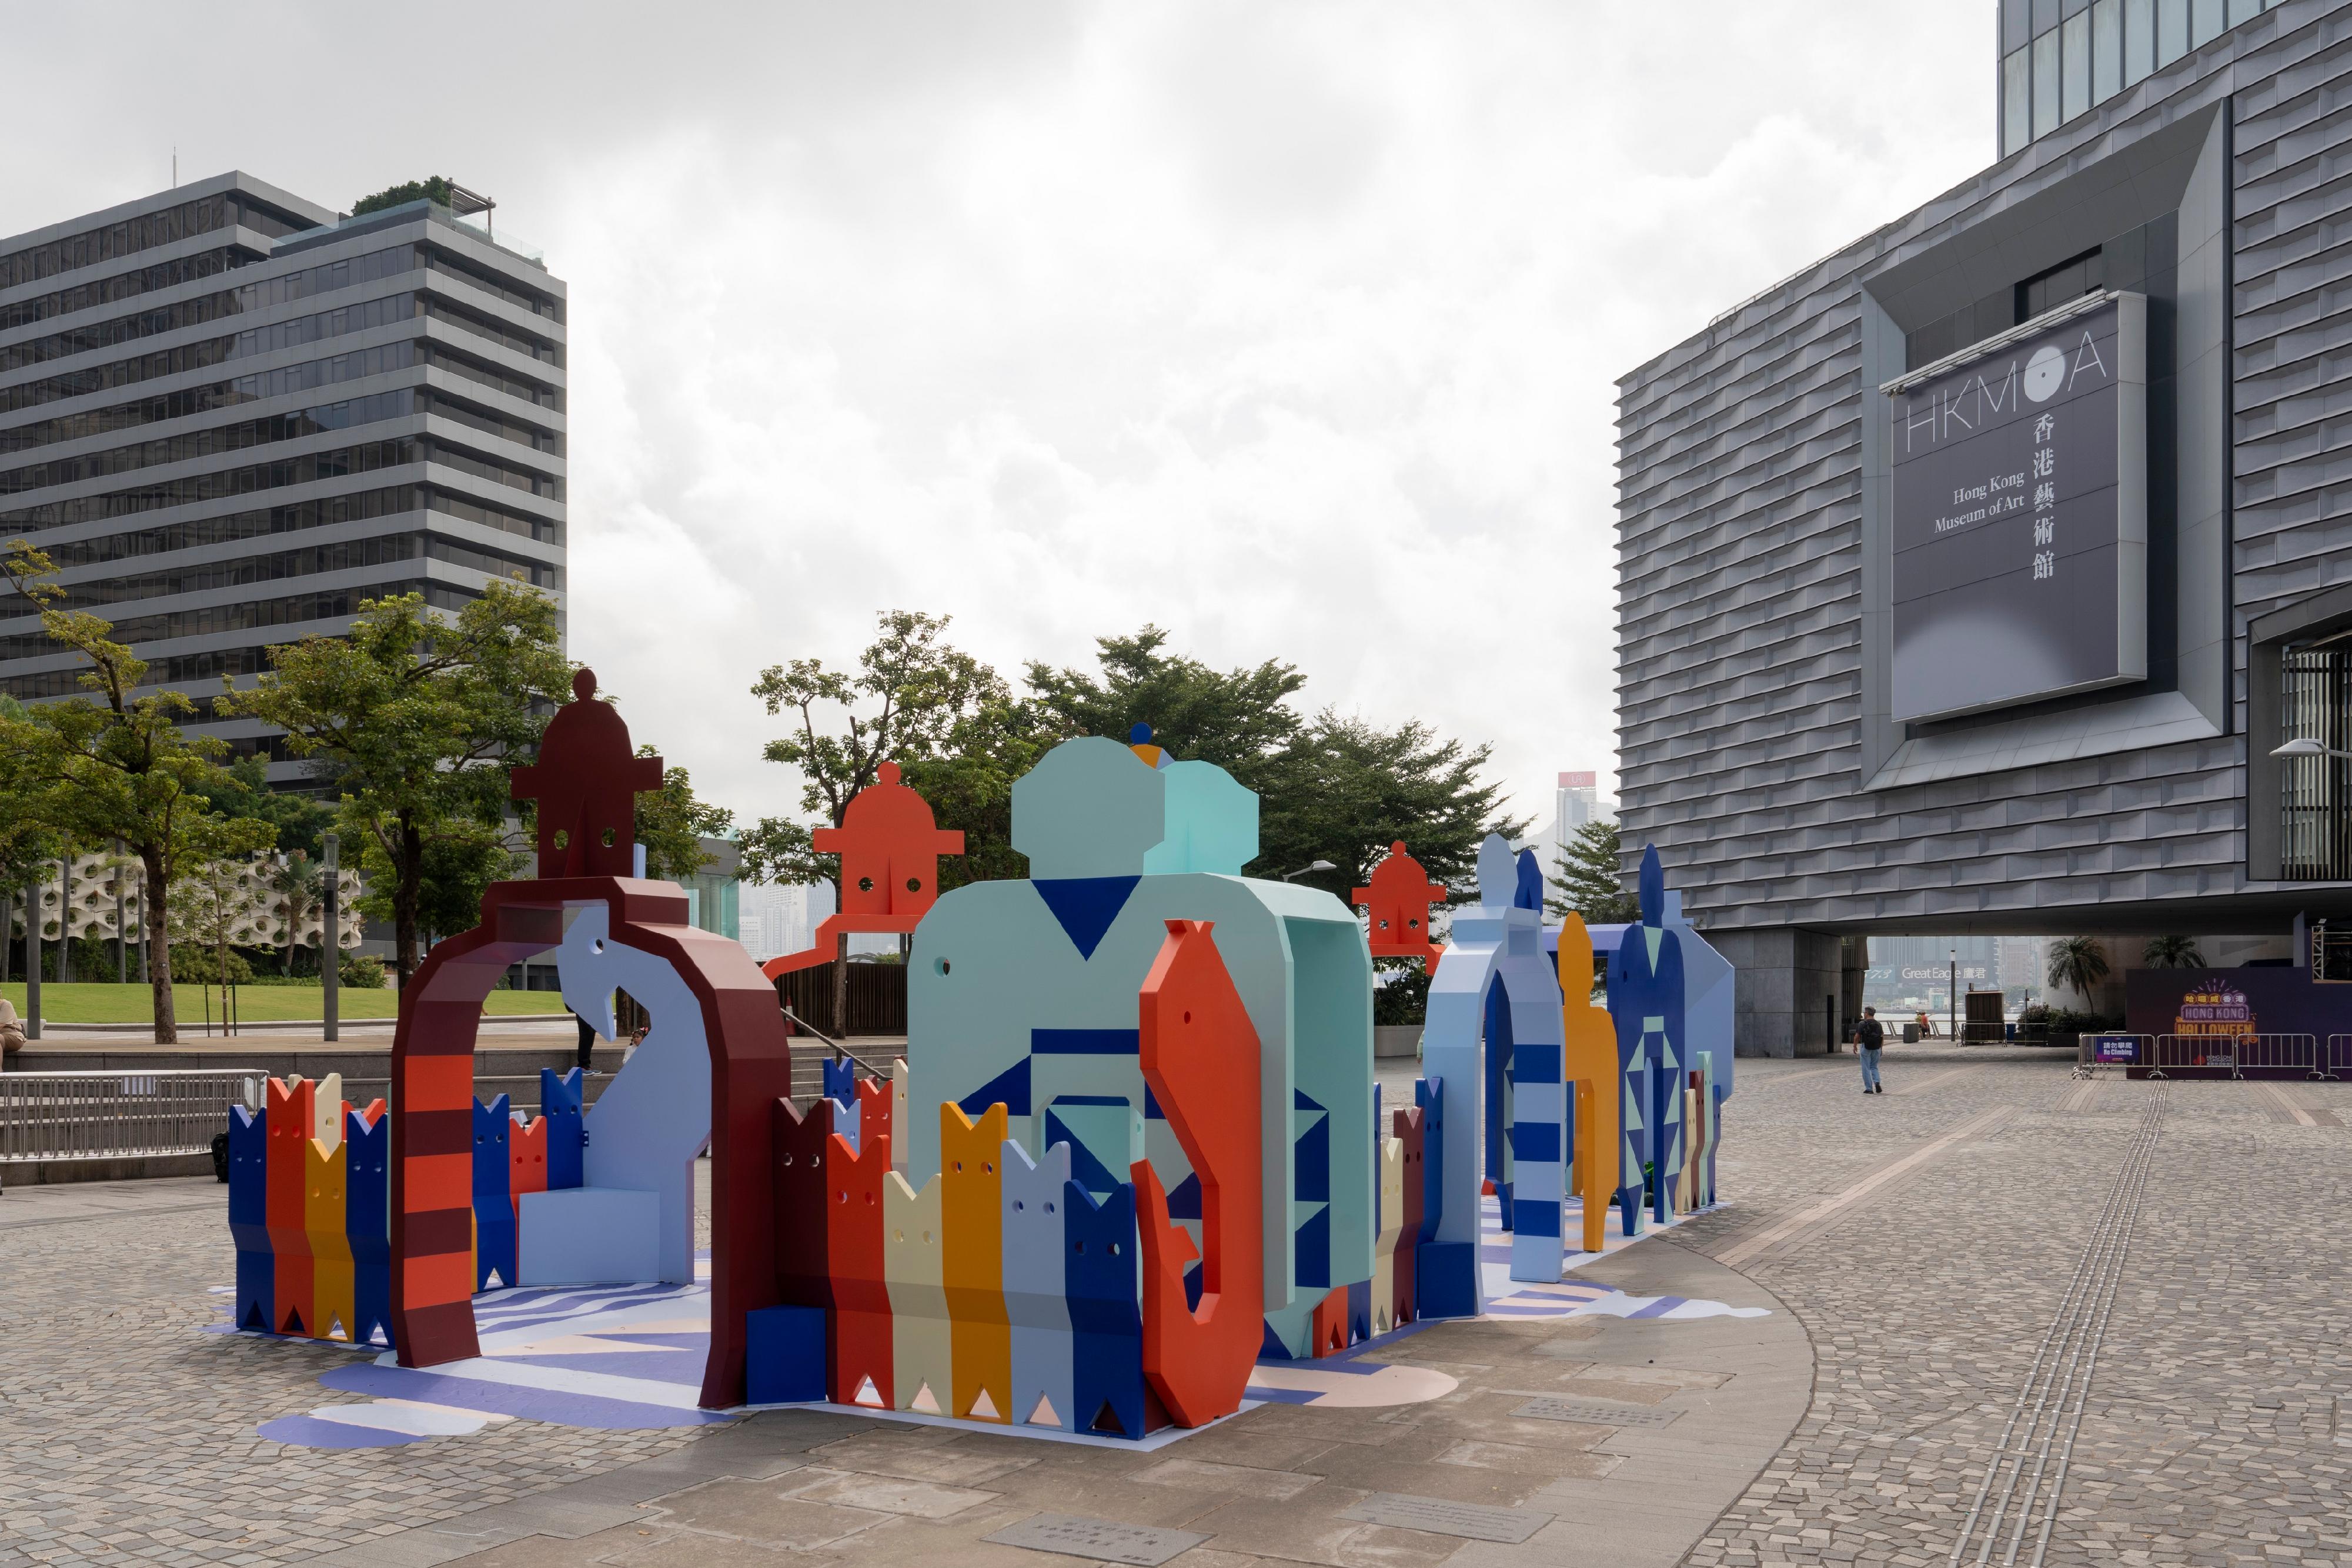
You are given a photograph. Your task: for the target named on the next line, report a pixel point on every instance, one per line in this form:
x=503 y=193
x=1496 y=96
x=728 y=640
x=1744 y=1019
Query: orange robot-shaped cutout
x=891 y=847
x=1398 y=902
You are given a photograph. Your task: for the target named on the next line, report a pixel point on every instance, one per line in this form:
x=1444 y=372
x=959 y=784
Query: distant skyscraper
x=229 y=416
x=1575 y=802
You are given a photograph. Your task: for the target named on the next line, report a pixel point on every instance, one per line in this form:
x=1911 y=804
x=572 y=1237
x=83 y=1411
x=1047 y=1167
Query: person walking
x=1871 y=1035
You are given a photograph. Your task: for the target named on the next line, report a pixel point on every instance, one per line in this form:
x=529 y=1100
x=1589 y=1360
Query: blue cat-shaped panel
x=1099 y=1275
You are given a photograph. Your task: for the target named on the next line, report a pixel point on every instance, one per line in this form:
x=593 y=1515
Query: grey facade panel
x=1750 y=607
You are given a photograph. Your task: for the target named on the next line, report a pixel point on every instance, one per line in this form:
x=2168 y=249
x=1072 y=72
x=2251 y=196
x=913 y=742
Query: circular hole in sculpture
x=1049 y=1209
x=940 y=966
x=609 y=839
x=914 y=884
x=864 y=884
x=1082 y=1245
x=1113 y=1248
x=562 y=838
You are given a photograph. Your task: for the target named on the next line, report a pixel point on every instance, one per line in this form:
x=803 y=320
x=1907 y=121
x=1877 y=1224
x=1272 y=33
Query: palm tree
x=2172 y=953
x=2077 y=964
x=301 y=881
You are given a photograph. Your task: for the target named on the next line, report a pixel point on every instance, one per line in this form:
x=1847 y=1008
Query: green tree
x=420 y=716
x=436 y=187
x=117 y=765
x=1334 y=786
x=1241 y=719
x=2076 y=964
x=1344 y=789
x=2171 y=953
x=673 y=821
x=1591 y=883
x=910 y=696
x=904 y=703
x=299 y=818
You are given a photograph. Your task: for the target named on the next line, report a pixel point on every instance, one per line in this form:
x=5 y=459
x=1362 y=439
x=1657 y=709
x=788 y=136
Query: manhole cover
x=1592 y=1413
x=1103 y=1540
x=1469 y=1521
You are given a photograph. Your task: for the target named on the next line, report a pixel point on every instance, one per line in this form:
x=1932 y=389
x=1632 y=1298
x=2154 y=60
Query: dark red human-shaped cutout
x=1398 y=902
x=587 y=784
x=889 y=845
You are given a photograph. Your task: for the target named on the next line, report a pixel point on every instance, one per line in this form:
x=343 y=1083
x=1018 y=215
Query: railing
x=2337 y=1059
x=85 y=1115
x=2236 y=1053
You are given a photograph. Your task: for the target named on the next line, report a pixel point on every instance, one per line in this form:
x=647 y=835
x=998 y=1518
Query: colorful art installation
x=715 y=1061
x=330 y=1276
x=1134 y=1151
x=1153 y=1154
x=1027 y=993
x=890 y=846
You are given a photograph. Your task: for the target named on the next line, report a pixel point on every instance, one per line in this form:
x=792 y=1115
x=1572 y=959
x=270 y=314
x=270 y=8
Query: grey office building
x=1969 y=578
x=230 y=416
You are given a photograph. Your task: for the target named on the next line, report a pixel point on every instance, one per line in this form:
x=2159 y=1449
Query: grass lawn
x=80 y=1003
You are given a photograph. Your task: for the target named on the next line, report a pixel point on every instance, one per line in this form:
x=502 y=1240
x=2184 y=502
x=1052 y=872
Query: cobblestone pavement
x=2210 y=1428
x=1926 y=1240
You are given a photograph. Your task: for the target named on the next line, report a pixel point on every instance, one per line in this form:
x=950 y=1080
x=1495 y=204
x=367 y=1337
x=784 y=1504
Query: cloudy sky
x=1291 y=328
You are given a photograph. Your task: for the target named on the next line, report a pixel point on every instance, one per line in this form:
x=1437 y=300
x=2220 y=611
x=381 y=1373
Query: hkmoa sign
x=2020 y=515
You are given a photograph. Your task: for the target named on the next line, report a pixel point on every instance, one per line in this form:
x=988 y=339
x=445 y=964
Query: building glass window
x=2045 y=15
x=2106 y=51
x=2205 y=22
x=2016 y=25
x=2077 y=97
x=2139 y=40
x=2245 y=11
x=2016 y=102
x=2171 y=30
x=2045 y=83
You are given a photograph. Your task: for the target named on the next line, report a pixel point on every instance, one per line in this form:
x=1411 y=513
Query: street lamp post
x=1952 y=998
x=33 y=961
x=1311 y=865
x=331 y=944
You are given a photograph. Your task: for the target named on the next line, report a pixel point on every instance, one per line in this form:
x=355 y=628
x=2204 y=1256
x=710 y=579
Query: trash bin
x=1910 y=1034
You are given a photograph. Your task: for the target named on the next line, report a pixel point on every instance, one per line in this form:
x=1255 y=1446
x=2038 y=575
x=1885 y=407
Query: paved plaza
x=1992 y=1289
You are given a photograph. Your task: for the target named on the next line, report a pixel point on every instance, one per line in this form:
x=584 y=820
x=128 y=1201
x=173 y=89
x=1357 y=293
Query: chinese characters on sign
x=2045 y=498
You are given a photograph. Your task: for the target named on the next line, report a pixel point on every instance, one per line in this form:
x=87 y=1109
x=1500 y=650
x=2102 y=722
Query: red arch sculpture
x=586 y=782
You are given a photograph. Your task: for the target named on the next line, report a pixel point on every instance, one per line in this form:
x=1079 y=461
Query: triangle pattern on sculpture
x=925 y=1401
x=1044 y=1414
x=867 y=1393
x=1085 y=905
x=983 y=1408
x=1107 y=1420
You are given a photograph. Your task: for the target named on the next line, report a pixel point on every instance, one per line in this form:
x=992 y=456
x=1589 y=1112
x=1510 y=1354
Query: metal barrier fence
x=84 y=1115
x=2267 y=1052
x=2335 y=1062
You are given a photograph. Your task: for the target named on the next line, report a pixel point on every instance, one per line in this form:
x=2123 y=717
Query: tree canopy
x=673 y=821
x=1331 y=786
x=116 y=764
x=419 y=716
x=1590 y=881
x=436 y=187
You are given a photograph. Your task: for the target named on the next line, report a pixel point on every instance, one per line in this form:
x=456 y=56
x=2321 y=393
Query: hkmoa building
x=1969 y=578
x=230 y=416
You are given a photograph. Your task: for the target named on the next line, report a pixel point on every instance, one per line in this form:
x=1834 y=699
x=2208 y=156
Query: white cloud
x=1295 y=331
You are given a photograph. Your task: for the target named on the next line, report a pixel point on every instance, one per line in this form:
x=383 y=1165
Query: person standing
x=1871 y=1035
